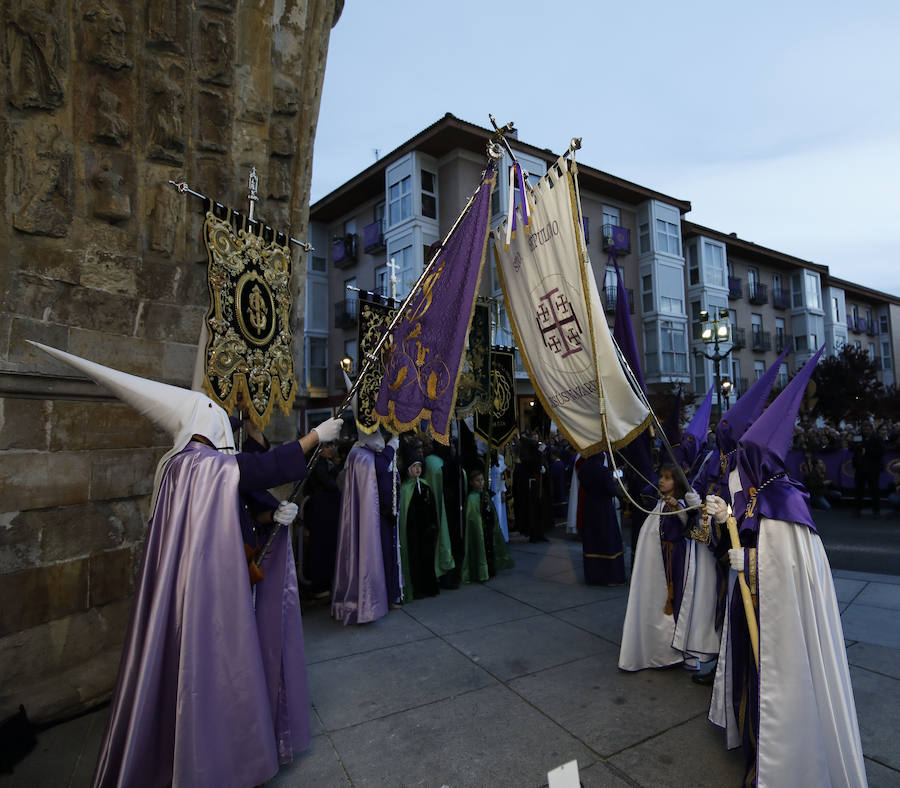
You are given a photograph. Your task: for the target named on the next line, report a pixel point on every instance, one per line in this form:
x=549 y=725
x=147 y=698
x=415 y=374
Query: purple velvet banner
x=839 y=467
x=422 y=368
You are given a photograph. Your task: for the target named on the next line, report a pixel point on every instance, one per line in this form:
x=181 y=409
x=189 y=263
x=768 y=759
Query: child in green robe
x=418 y=534
x=486 y=550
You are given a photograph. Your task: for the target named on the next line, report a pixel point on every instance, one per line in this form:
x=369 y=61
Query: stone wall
x=102 y=102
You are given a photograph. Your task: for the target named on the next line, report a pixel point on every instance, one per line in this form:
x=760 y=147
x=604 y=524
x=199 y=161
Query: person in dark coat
x=601 y=539
x=321 y=515
x=418 y=533
x=868 y=460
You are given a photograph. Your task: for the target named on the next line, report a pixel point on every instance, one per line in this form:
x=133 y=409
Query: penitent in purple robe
x=601 y=545
x=359 y=591
x=210 y=692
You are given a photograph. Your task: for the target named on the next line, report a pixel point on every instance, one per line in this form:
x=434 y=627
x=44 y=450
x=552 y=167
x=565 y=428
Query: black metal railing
x=373 y=237
x=738 y=338
x=761 y=340
x=346 y=313
x=871 y=328
x=610 y=295
x=757 y=293
x=782 y=341
x=781 y=298
x=735 y=288
x=343 y=250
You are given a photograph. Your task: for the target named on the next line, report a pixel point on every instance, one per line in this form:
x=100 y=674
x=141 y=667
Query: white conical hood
x=180 y=412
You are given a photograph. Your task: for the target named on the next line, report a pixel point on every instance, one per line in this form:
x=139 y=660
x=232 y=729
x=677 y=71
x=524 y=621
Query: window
x=756 y=324
x=714 y=270
x=855 y=315
x=671 y=290
x=812 y=290
x=351 y=351
x=351 y=296
x=693 y=266
x=668 y=238
x=429 y=195
x=782 y=379
x=869 y=318
x=759 y=369
x=674 y=347
x=647 y=293
x=780 y=334
x=612 y=216
x=644 y=235
x=379 y=213
x=885 y=355
x=610 y=283
x=796 y=291
x=400 y=197
x=317 y=264
x=883 y=324
x=871 y=351
x=736 y=376
x=407 y=271
x=752 y=278
x=651 y=349
x=382 y=281
x=317 y=363
x=857 y=344
x=317 y=303
x=776 y=282
x=836 y=305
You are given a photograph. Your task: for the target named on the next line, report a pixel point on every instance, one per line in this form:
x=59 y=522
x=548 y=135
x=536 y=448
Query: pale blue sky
x=779 y=121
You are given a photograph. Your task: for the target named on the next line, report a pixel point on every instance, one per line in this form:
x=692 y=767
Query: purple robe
x=359 y=591
x=601 y=539
x=210 y=692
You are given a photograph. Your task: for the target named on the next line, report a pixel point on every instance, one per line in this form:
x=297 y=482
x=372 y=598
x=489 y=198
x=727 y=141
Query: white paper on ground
x=565 y=776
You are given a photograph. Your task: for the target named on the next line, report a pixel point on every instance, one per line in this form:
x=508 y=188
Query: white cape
x=498 y=485
x=695 y=632
x=648 y=631
x=572 y=513
x=808 y=731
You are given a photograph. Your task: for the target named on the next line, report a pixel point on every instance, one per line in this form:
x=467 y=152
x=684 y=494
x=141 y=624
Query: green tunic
x=443 y=554
x=486 y=550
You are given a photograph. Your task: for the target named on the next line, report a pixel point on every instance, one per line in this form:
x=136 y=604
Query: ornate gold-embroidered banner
x=248 y=350
x=374 y=318
x=499 y=425
x=474 y=391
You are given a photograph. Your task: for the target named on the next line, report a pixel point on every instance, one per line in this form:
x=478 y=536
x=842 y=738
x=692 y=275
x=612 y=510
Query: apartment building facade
x=385 y=220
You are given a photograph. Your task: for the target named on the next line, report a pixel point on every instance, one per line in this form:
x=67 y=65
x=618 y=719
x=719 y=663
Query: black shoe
x=704 y=679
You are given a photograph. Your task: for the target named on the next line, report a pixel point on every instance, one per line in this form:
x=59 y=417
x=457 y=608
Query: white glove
x=285 y=513
x=329 y=430
x=618 y=473
x=736 y=559
x=394 y=442
x=716 y=508
x=691 y=498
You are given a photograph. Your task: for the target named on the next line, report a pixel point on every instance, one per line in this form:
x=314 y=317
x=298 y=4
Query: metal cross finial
x=253 y=183
x=392 y=264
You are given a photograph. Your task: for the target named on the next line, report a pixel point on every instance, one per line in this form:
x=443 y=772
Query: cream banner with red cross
x=554 y=308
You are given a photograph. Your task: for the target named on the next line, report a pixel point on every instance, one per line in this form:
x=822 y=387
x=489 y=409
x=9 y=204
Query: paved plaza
x=496 y=684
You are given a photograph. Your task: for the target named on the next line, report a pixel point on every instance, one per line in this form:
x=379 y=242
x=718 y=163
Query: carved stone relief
x=111 y=126
x=167 y=24
x=110 y=181
x=36 y=51
x=104 y=37
x=165 y=105
x=164 y=218
x=213 y=121
x=279 y=179
x=282 y=141
x=251 y=107
x=43 y=181
x=216 y=51
x=285 y=99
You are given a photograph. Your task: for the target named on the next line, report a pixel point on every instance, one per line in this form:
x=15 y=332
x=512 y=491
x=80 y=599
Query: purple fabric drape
x=359 y=592
x=192 y=705
x=421 y=373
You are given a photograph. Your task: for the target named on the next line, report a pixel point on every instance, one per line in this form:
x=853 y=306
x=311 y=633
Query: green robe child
x=486 y=550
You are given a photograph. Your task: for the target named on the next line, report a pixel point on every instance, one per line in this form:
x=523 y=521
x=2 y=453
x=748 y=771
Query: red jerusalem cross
x=558 y=324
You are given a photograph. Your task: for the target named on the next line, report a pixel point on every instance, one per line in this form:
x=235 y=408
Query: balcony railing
x=757 y=293
x=738 y=338
x=735 y=288
x=861 y=325
x=761 y=340
x=741 y=385
x=346 y=313
x=616 y=240
x=781 y=298
x=871 y=328
x=609 y=299
x=343 y=250
x=373 y=238
x=783 y=341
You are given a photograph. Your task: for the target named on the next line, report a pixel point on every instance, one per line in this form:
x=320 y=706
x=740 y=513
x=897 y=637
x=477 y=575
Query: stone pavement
x=496 y=684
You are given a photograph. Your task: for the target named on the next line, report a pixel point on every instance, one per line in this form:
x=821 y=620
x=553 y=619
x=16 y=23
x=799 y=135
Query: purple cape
x=359 y=591
x=192 y=705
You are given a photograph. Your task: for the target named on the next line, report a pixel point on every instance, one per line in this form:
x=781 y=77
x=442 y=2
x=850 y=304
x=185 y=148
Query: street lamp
x=715 y=330
x=726 y=391
x=347 y=364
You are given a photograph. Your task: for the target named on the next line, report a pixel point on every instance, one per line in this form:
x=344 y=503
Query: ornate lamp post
x=714 y=331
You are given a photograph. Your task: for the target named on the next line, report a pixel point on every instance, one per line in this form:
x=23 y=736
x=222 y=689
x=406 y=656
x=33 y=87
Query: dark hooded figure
x=418 y=532
x=601 y=539
x=531 y=492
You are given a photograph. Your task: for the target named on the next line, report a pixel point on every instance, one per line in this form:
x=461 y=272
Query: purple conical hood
x=694 y=438
x=746 y=410
x=766 y=487
x=775 y=428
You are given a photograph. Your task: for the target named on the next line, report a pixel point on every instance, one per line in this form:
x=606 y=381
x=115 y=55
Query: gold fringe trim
x=598 y=555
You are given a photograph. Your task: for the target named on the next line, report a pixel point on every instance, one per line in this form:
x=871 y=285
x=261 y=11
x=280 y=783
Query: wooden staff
x=749 y=610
